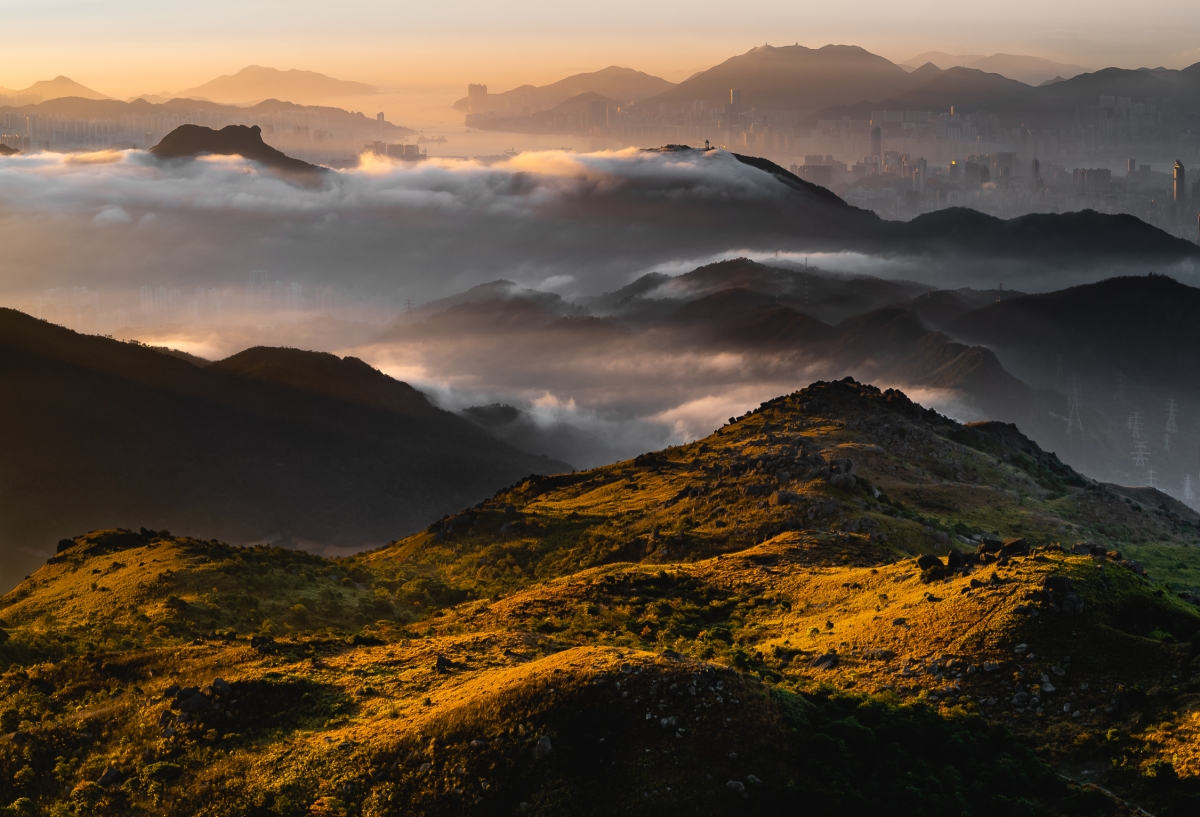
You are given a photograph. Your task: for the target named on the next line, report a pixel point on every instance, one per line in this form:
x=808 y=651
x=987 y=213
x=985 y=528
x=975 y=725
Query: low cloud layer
x=214 y=255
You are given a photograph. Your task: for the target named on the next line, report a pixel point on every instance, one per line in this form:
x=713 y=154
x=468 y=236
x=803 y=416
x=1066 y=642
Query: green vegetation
x=704 y=630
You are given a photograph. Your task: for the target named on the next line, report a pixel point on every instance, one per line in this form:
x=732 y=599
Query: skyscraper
x=477 y=97
x=1180 y=181
x=876 y=148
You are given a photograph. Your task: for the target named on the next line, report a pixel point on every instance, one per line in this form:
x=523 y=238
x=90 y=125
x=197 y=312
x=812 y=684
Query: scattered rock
x=193 y=704
x=927 y=561
x=1071 y=604
x=110 y=777
x=827 y=661
x=221 y=686
x=543 y=747
x=736 y=785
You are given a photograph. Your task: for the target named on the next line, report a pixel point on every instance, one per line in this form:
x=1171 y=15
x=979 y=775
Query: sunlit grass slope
x=726 y=627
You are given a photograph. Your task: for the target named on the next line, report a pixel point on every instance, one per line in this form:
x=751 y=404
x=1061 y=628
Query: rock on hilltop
x=187 y=141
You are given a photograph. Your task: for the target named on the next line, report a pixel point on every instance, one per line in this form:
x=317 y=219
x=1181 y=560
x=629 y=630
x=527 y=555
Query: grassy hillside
x=726 y=626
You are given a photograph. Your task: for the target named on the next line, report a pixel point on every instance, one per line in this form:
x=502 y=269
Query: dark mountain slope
x=792 y=78
x=1068 y=236
x=261 y=446
x=1138 y=323
x=967 y=89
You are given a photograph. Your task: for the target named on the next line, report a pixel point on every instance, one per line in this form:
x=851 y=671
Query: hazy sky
x=124 y=47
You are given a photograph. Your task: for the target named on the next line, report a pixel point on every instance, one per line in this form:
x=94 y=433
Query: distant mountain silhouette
x=56 y=88
x=1021 y=67
x=1126 y=346
x=5 y=150
x=79 y=108
x=555 y=439
x=966 y=88
x=187 y=141
x=961 y=231
x=623 y=85
x=255 y=82
x=1133 y=323
x=543 y=121
x=277 y=444
x=793 y=78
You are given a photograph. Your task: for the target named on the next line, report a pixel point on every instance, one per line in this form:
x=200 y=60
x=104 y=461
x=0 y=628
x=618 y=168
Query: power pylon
x=1172 y=427
x=1188 y=496
x=1139 y=455
x=1135 y=425
x=1074 y=416
x=1166 y=443
x=1150 y=479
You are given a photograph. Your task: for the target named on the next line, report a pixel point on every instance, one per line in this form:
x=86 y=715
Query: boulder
x=1058 y=584
x=221 y=686
x=110 y=777
x=543 y=747
x=736 y=786
x=843 y=481
x=827 y=661
x=1071 y=604
x=927 y=561
x=194 y=704
x=784 y=498
x=1014 y=547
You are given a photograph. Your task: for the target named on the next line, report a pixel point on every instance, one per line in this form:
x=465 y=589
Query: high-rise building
x=1035 y=173
x=1180 y=181
x=876 y=149
x=477 y=97
x=735 y=97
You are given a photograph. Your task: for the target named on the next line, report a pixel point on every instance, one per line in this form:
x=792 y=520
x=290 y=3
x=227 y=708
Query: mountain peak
x=257 y=82
x=188 y=141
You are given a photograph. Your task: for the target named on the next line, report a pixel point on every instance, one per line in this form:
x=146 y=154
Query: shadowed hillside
x=270 y=444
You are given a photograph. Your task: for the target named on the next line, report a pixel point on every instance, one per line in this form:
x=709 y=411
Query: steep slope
x=597 y=643
x=188 y=141
x=792 y=78
x=271 y=444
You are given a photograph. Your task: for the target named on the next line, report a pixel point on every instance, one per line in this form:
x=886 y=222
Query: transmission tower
x=1188 y=496
x=1150 y=479
x=1074 y=417
x=1172 y=427
x=1135 y=425
x=1166 y=443
x=1139 y=455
